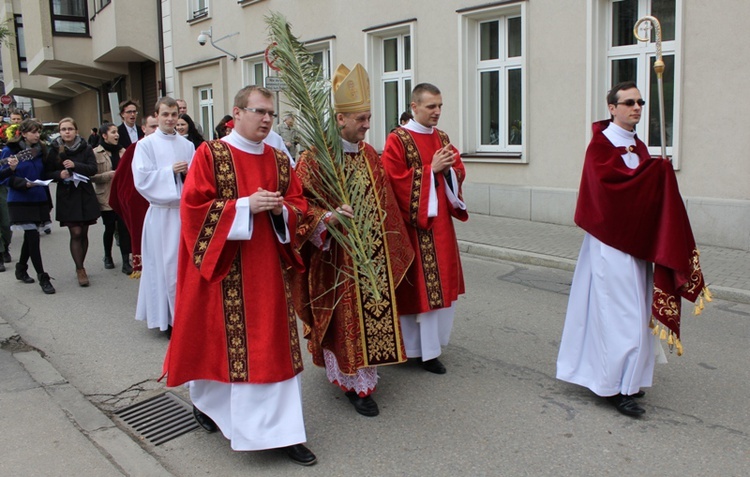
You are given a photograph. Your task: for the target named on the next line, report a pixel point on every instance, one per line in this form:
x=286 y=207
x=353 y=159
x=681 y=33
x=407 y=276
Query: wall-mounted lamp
x=207 y=36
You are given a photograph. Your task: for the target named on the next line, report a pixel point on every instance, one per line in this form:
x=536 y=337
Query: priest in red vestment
x=235 y=333
x=426 y=173
x=637 y=259
x=349 y=331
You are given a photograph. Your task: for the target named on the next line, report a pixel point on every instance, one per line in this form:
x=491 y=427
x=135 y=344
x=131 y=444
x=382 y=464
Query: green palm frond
x=310 y=93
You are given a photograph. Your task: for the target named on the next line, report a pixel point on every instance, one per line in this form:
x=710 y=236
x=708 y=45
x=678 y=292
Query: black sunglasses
x=631 y=102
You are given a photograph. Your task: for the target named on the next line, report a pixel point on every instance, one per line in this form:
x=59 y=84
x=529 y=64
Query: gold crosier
x=659 y=70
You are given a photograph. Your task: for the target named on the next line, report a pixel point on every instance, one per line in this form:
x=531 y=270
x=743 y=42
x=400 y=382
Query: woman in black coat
x=71 y=163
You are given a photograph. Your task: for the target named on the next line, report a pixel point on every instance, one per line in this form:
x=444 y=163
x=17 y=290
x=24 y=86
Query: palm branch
x=309 y=92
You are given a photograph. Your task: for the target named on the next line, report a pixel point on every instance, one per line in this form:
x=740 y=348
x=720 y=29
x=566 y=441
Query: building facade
x=79 y=58
x=522 y=81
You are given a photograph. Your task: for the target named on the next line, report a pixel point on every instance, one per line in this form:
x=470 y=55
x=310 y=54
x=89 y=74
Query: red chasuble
x=234 y=317
x=338 y=315
x=129 y=204
x=640 y=212
x=435 y=279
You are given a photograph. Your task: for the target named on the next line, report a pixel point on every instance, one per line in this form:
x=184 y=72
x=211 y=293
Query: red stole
x=640 y=212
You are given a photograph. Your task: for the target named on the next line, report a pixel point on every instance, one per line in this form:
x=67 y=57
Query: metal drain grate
x=159 y=419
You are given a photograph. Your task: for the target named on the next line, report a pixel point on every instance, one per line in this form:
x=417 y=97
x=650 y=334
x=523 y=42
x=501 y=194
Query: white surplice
x=154 y=179
x=252 y=416
x=607 y=345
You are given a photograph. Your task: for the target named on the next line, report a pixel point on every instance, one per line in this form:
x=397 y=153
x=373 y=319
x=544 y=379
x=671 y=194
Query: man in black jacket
x=129 y=132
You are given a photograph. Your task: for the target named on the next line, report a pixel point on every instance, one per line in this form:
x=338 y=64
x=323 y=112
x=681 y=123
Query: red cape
x=640 y=212
x=128 y=203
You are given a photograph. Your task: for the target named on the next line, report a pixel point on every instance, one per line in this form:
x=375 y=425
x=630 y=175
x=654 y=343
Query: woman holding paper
x=28 y=197
x=71 y=163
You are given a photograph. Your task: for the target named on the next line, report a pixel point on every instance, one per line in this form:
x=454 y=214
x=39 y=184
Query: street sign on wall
x=274 y=83
x=6 y=99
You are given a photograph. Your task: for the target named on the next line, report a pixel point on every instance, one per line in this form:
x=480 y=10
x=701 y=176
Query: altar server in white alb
x=637 y=259
x=160 y=164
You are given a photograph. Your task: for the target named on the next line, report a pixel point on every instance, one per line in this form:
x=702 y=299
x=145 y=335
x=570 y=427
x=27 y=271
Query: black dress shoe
x=363 y=405
x=108 y=263
x=205 y=422
x=626 y=405
x=300 y=454
x=126 y=268
x=639 y=394
x=434 y=366
x=2 y=266
x=6 y=257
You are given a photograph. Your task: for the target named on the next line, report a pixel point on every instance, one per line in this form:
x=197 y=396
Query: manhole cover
x=159 y=419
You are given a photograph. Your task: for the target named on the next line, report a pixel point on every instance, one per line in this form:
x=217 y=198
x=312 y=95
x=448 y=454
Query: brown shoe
x=83 y=279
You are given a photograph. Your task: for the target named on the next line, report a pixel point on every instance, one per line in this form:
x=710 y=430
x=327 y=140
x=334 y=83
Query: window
x=104 y=3
x=206 y=108
x=254 y=71
x=197 y=9
x=321 y=52
x=70 y=17
x=631 y=60
x=391 y=79
x=20 y=44
x=494 y=95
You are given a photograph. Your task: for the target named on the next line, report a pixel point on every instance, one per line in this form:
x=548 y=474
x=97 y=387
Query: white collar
x=620 y=131
x=414 y=126
x=251 y=147
x=350 y=146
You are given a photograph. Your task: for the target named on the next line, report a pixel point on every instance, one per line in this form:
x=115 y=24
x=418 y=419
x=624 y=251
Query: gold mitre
x=351 y=89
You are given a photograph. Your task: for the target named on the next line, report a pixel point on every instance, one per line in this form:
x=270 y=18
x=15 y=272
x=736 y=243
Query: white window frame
x=602 y=55
x=194 y=6
x=378 y=78
x=324 y=47
x=206 y=109
x=248 y=66
x=469 y=30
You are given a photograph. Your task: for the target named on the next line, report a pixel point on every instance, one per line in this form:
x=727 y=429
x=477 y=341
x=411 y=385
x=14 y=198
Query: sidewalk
x=49 y=428
x=727 y=271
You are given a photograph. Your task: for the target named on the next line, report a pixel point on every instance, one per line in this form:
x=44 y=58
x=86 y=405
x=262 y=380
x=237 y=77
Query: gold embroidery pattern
x=282 y=165
x=425 y=239
x=666 y=307
x=378 y=321
x=225 y=183
x=234 y=322
x=695 y=283
x=291 y=317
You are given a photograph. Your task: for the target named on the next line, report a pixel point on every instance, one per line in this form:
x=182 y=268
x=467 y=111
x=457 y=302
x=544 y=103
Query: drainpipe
x=162 y=70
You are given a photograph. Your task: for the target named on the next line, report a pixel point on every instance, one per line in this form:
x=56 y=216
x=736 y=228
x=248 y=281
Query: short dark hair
x=416 y=93
x=126 y=103
x=405 y=116
x=615 y=91
x=240 y=99
x=105 y=127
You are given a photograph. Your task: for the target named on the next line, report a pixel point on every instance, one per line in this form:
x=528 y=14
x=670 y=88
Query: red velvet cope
x=640 y=212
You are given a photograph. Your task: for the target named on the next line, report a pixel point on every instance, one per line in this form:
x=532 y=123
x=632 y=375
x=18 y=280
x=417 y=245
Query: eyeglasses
x=632 y=102
x=130 y=112
x=262 y=112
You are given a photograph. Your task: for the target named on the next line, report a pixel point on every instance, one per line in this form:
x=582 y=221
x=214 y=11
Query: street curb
x=531 y=258
x=119 y=448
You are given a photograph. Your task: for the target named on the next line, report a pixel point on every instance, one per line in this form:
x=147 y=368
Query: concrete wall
x=562 y=98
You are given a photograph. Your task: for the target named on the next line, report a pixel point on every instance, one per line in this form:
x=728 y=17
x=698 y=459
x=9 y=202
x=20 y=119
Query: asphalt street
x=498 y=411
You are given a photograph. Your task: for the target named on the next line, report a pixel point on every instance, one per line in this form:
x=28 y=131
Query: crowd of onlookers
x=83 y=169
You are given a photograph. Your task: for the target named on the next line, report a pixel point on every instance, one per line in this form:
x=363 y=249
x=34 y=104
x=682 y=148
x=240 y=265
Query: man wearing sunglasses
x=638 y=257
